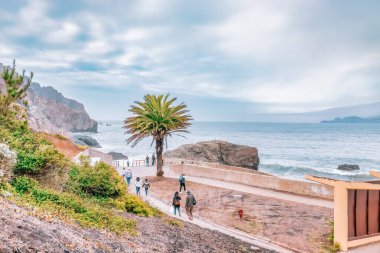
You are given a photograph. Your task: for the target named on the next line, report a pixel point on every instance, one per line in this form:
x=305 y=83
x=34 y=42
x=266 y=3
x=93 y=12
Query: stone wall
x=254 y=179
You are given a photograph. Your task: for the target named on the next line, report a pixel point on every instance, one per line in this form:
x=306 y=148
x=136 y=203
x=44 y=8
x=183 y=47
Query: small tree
x=14 y=92
x=156 y=116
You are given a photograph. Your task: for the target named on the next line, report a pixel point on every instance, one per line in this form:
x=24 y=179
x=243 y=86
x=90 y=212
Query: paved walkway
x=371 y=248
x=150 y=171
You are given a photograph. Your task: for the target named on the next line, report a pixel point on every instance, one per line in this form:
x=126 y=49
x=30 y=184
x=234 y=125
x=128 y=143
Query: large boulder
x=85 y=140
x=8 y=159
x=117 y=156
x=218 y=152
x=348 y=167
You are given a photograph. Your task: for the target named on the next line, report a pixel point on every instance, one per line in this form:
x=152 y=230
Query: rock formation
x=348 y=167
x=49 y=111
x=118 y=156
x=85 y=140
x=218 y=152
x=8 y=160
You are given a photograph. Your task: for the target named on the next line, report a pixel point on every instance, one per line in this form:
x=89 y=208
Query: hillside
x=26 y=230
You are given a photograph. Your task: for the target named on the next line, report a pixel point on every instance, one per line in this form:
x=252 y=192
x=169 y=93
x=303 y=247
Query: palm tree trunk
x=159 y=151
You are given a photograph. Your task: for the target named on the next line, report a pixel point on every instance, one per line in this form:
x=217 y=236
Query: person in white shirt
x=138 y=186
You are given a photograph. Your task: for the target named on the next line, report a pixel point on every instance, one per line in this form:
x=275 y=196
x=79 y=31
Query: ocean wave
x=299 y=173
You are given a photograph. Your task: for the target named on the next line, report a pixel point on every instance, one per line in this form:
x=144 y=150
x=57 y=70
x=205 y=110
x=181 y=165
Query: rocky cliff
x=49 y=111
x=218 y=152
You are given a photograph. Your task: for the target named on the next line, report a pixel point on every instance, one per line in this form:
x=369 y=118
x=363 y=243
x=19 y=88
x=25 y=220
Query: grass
x=173 y=222
x=70 y=206
x=330 y=245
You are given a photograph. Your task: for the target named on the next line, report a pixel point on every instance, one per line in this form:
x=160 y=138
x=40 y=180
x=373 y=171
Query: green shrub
x=100 y=181
x=35 y=155
x=133 y=204
x=23 y=184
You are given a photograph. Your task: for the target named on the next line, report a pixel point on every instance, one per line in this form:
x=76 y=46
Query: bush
x=35 y=155
x=23 y=185
x=133 y=204
x=100 y=181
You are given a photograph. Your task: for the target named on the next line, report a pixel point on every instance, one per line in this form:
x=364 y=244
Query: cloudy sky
x=228 y=60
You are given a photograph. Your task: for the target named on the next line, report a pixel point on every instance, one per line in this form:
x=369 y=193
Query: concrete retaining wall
x=255 y=179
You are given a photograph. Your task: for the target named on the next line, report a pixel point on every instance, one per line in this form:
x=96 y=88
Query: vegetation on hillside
x=46 y=179
x=158 y=117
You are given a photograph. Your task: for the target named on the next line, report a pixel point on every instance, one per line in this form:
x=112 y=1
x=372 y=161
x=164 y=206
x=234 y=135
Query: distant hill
x=353 y=119
x=363 y=111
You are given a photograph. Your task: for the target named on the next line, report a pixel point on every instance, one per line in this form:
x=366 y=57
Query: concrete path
x=261 y=191
x=150 y=171
x=371 y=248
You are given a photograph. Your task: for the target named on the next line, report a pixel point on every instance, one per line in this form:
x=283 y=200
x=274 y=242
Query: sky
x=227 y=60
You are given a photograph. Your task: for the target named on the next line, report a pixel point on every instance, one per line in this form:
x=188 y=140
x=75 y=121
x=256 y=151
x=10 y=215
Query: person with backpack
x=147 y=160
x=128 y=176
x=177 y=204
x=190 y=203
x=182 y=183
x=146 y=186
x=138 y=186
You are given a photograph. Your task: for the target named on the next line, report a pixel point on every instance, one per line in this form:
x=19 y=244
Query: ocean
x=288 y=150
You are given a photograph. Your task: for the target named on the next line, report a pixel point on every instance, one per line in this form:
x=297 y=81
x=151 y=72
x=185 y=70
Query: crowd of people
x=190 y=200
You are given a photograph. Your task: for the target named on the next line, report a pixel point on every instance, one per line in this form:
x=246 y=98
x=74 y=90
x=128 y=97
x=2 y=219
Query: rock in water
x=348 y=167
x=218 y=152
x=8 y=160
x=85 y=140
x=118 y=156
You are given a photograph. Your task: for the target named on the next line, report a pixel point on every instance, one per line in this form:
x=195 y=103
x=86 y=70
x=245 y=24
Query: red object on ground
x=240 y=212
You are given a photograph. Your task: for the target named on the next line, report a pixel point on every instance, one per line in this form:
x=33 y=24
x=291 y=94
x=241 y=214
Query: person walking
x=123 y=174
x=182 y=183
x=138 y=186
x=147 y=160
x=190 y=203
x=153 y=159
x=146 y=186
x=128 y=176
x=177 y=204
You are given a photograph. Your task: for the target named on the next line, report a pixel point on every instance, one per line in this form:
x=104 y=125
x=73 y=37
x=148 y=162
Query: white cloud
x=285 y=55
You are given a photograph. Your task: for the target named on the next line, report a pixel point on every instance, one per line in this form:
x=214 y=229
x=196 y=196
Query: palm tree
x=156 y=116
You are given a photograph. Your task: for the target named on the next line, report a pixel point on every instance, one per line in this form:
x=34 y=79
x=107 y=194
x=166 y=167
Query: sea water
x=288 y=150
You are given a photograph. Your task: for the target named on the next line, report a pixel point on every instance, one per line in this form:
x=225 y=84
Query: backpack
x=181 y=179
x=194 y=201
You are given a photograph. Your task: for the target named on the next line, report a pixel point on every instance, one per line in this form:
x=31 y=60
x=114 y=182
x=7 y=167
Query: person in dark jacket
x=146 y=186
x=177 y=204
x=147 y=161
x=182 y=183
x=153 y=159
x=190 y=203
